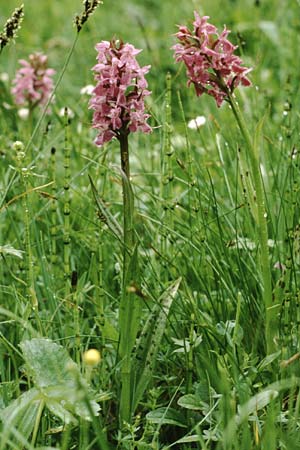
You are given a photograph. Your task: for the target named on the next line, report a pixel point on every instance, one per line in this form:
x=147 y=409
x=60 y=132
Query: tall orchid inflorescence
x=33 y=84
x=118 y=98
x=214 y=69
x=209 y=58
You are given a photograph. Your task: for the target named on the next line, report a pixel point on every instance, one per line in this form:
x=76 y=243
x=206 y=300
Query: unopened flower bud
x=91 y=357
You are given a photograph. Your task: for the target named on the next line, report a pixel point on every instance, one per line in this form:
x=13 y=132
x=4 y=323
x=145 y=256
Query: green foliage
x=59 y=387
x=200 y=376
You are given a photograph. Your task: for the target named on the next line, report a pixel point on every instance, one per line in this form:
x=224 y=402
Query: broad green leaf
x=257 y=402
x=190 y=401
x=165 y=416
x=58 y=410
x=58 y=378
x=49 y=363
x=21 y=414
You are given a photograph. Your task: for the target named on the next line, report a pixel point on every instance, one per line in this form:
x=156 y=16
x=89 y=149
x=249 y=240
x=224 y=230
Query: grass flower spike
x=11 y=27
x=33 y=84
x=209 y=58
x=118 y=98
x=89 y=9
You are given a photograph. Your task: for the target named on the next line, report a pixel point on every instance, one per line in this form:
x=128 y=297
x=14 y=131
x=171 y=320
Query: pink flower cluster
x=33 y=84
x=209 y=57
x=118 y=98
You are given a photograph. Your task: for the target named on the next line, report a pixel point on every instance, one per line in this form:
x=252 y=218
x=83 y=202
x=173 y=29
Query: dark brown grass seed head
x=89 y=9
x=11 y=26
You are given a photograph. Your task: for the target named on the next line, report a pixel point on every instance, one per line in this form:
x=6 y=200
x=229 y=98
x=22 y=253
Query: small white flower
x=294 y=153
x=23 y=113
x=4 y=77
x=6 y=105
x=70 y=113
x=242 y=243
x=87 y=90
x=280 y=266
x=196 y=123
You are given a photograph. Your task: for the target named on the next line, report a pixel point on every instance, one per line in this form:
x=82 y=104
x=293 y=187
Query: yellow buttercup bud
x=91 y=357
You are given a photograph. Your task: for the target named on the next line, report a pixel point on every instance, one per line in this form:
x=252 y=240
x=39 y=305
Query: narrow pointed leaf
x=153 y=338
x=111 y=222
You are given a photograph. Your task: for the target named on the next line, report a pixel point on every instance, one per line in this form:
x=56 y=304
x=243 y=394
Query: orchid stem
x=126 y=307
x=271 y=326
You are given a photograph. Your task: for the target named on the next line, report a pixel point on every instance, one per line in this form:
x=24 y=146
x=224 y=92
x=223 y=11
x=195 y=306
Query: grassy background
x=191 y=218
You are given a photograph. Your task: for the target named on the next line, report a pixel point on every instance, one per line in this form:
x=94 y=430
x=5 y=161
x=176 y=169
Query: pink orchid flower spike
x=212 y=67
x=33 y=84
x=118 y=98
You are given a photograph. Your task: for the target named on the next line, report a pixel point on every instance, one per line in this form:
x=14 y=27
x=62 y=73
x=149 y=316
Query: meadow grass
x=201 y=376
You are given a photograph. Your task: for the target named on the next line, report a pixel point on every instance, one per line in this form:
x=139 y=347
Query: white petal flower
x=23 y=113
x=87 y=90
x=4 y=77
x=196 y=123
x=70 y=113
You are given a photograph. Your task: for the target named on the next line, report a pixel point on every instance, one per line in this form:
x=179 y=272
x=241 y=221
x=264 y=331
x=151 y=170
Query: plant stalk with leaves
x=214 y=69
x=118 y=104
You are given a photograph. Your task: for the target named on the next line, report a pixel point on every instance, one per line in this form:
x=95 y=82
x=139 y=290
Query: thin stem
x=166 y=191
x=37 y=422
x=67 y=175
x=127 y=201
x=96 y=422
x=128 y=240
x=123 y=139
x=270 y=307
x=53 y=209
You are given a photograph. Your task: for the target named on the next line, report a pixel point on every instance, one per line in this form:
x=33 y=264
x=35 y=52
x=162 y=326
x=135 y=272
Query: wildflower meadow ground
x=149 y=228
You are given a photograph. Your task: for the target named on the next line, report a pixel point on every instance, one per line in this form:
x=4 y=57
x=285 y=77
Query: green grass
x=207 y=380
